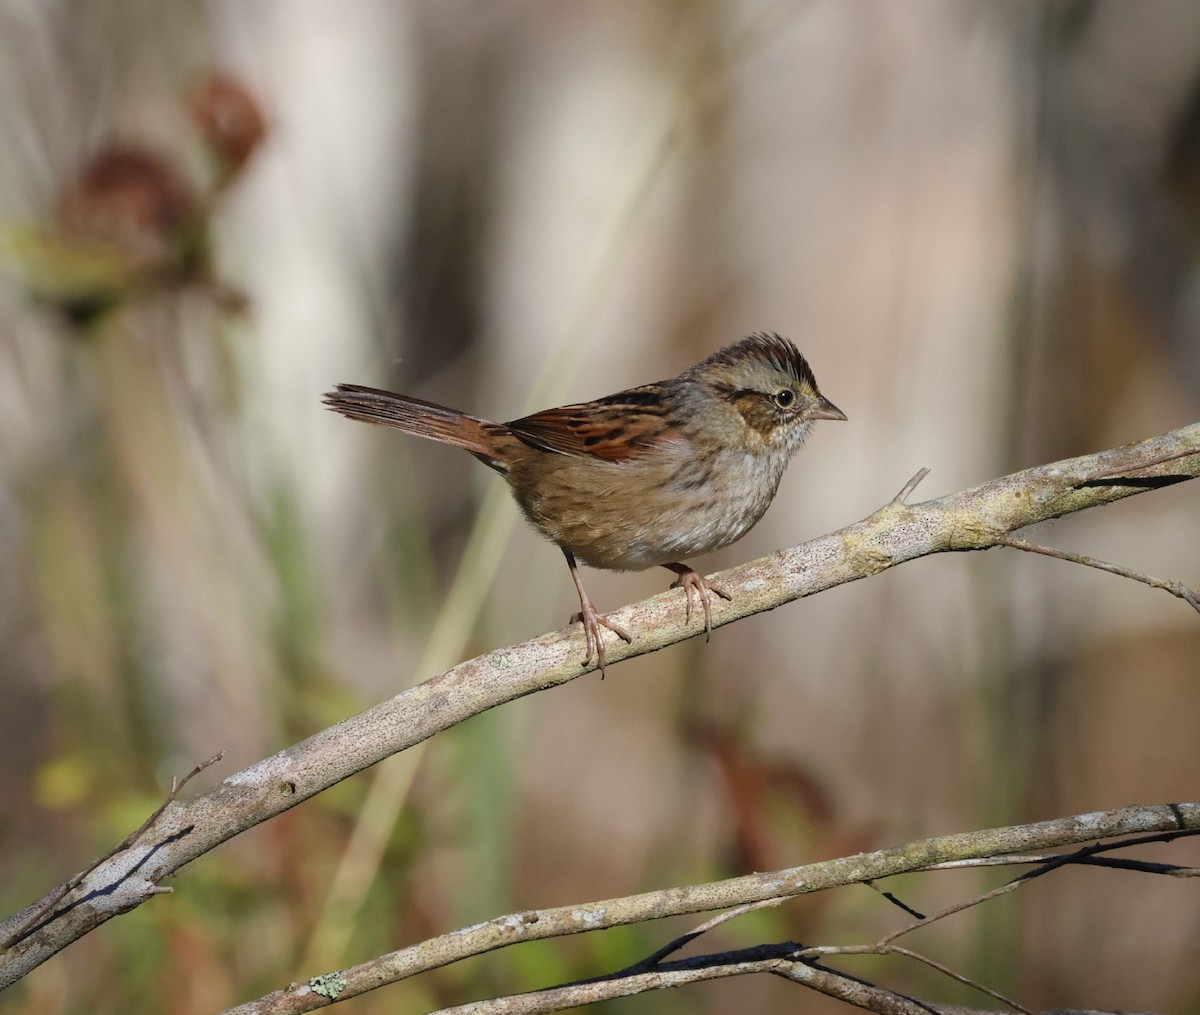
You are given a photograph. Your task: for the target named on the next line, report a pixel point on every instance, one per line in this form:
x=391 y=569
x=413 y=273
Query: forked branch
x=1137 y=825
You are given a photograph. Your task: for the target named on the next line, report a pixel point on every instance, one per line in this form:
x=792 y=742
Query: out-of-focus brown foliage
x=231 y=122
x=127 y=197
x=133 y=221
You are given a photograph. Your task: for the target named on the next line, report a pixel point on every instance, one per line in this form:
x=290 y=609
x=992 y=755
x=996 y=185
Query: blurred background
x=981 y=223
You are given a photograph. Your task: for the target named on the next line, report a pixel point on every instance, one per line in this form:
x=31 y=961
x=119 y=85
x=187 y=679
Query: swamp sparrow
x=645 y=476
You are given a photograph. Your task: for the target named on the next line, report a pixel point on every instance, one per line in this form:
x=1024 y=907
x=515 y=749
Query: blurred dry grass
x=980 y=221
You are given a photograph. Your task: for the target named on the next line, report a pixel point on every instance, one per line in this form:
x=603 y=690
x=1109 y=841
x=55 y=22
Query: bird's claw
x=592 y=622
x=693 y=582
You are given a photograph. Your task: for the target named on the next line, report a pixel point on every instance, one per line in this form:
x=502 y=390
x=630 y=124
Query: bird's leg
x=691 y=581
x=590 y=619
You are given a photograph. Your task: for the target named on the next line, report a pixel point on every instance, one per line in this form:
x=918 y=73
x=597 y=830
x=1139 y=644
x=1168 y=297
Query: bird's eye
x=784 y=398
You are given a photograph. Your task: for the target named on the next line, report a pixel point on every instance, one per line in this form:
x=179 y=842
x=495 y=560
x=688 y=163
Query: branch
x=707 y=967
x=32 y=916
x=747 y=891
x=971 y=520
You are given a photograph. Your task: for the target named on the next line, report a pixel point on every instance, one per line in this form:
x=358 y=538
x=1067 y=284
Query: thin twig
x=941 y=914
x=1145 y=866
x=1178 y=589
x=1089 y=854
x=653 y=960
x=910 y=486
x=894 y=900
x=1084 y=854
x=1141 y=866
x=826 y=951
x=966 y=980
x=1102 y=474
x=856 y=991
x=830 y=982
x=35 y=918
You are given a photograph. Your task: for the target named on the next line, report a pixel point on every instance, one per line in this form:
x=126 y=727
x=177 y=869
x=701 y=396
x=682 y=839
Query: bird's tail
x=414 y=416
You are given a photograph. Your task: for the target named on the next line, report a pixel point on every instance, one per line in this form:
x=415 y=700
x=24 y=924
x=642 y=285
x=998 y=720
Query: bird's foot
x=693 y=583
x=592 y=622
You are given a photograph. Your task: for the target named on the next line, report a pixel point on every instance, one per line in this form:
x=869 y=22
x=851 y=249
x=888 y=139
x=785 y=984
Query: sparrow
x=642 y=478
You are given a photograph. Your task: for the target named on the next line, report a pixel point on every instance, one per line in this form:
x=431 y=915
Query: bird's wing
x=617 y=428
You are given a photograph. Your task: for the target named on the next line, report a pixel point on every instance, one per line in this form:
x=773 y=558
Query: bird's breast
x=655 y=509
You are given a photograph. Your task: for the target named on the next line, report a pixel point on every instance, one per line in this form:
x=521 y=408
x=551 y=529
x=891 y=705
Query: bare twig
x=1046 y=864
x=966 y=980
x=33 y=917
x=910 y=486
x=1177 y=589
x=1085 y=854
x=1145 y=866
x=862 y=994
x=574 y=996
x=654 y=959
x=777 y=959
x=1122 y=470
x=879 y=948
x=899 y=903
x=1090 y=855
x=827 y=951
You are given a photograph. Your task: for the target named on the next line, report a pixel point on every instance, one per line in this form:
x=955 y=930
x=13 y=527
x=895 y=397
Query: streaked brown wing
x=615 y=428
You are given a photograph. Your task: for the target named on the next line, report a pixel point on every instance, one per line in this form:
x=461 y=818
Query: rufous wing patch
x=615 y=429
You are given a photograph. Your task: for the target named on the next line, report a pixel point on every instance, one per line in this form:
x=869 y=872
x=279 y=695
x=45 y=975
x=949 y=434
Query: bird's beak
x=825 y=409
